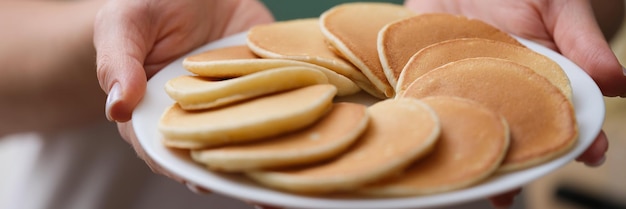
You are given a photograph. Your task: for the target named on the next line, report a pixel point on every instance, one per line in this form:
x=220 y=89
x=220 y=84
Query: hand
x=566 y=26
x=136 y=39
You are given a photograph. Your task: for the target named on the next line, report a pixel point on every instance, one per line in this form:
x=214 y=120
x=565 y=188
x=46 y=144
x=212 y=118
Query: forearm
x=47 y=66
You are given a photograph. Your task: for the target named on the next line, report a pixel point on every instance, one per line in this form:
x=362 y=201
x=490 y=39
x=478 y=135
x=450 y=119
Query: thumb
x=121 y=49
x=579 y=38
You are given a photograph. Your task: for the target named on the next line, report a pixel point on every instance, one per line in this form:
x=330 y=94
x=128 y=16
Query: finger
x=121 y=48
x=579 y=38
x=595 y=156
x=504 y=200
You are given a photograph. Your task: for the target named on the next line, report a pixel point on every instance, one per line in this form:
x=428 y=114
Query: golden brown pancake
x=223 y=53
x=301 y=40
x=400 y=40
x=218 y=62
x=443 y=52
x=473 y=141
x=541 y=119
x=352 y=29
x=247 y=121
x=326 y=138
x=231 y=62
x=400 y=131
x=196 y=93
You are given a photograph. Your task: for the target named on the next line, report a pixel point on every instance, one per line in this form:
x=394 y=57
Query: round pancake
x=541 y=119
x=473 y=141
x=196 y=93
x=352 y=29
x=255 y=119
x=443 y=52
x=387 y=147
x=230 y=62
x=400 y=40
x=301 y=40
x=326 y=138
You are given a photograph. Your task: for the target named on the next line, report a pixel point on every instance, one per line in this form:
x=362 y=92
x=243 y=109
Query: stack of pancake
x=457 y=101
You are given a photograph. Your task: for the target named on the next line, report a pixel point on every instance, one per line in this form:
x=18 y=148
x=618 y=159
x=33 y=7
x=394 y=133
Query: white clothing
x=92 y=168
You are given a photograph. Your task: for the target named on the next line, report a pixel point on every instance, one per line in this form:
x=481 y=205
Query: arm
x=47 y=63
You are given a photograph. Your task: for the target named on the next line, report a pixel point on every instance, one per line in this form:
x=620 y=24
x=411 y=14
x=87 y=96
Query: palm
x=184 y=25
x=520 y=18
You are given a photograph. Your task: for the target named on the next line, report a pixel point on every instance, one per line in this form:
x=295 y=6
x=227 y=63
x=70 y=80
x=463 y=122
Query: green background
x=290 y=9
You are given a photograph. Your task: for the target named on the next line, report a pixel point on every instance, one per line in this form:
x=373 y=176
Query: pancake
x=541 y=119
x=400 y=40
x=443 y=52
x=218 y=63
x=327 y=138
x=473 y=141
x=236 y=61
x=255 y=119
x=301 y=40
x=196 y=93
x=352 y=29
x=387 y=147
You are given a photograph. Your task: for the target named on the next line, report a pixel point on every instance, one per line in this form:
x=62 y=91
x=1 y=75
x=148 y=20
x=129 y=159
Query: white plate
x=587 y=99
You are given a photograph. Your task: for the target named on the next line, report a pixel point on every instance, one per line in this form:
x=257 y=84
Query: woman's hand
x=566 y=26
x=136 y=39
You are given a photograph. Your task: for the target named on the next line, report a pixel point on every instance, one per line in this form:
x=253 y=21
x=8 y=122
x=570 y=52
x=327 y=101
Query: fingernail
x=113 y=97
x=597 y=163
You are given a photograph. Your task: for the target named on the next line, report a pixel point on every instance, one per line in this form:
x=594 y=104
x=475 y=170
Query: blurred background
x=574 y=186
